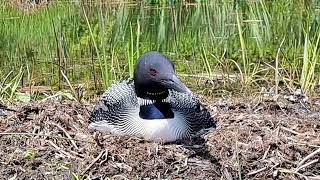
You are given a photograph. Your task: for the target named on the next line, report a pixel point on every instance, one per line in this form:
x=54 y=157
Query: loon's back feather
x=118 y=112
x=120 y=96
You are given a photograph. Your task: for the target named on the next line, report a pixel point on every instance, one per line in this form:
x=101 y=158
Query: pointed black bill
x=175 y=84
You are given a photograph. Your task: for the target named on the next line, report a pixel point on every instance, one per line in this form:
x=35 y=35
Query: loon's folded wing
x=196 y=115
x=119 y=97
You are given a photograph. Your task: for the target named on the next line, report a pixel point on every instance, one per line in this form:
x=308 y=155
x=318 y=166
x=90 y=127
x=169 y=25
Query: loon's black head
x=154 y=74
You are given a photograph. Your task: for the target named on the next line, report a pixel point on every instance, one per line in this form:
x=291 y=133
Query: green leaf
x=63 y=94
x=30 y=153
x=23 y=97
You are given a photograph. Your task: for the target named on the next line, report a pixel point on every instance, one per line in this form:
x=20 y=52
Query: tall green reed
x=102 y=42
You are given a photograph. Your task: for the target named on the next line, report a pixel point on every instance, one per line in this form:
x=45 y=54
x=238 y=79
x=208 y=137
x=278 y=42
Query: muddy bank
x=255 y=139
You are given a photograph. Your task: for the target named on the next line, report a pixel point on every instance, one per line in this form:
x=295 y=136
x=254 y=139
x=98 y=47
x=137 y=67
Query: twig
x=303 y=144
x=277 y=134
x=238 y=160
x=266 y=153
x=66 y=133
x=307 y=164
x=227 y=174
x=76 y=153
x=289 y=130
x=281 y=108
x=119 y=176
x=302 y=104
x=257 y=171
x=45 y=135
x=61 y=150
x=123 y=166
x=308 y=157
x=276 y=72
x=284 y=159
x=95 y=160
x=291 y=172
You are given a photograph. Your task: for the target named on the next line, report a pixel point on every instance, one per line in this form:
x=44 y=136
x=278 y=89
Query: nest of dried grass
x=254 y=140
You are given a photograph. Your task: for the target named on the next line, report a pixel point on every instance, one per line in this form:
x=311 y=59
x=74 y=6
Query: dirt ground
x=255 y=138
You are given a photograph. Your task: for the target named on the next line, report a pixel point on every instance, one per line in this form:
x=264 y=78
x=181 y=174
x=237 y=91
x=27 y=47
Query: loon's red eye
x=152 y=72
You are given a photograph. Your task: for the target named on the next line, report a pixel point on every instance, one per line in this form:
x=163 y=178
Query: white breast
x=165 y=130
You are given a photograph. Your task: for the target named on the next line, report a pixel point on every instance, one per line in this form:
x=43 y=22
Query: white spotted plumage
x=118 y=112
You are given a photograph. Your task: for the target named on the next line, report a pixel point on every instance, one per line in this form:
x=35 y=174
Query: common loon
x=155 y=104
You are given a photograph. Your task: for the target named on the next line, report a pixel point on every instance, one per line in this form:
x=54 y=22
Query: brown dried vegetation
x=259 y=140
